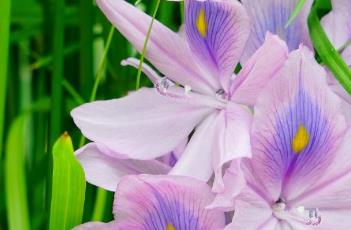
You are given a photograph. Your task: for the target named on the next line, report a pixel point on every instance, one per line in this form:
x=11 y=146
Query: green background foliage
x=51 y=52
x=56 y=55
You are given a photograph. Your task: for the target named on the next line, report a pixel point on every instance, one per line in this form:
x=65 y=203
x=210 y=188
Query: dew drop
x=187 y=90
x=163 y=85
x=314 y=216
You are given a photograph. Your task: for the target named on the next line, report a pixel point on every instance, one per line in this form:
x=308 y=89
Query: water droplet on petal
x=314 y=216
x=187 y=90
x=163 y=85
x=310 y=216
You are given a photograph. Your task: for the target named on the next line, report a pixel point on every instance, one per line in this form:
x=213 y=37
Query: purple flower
x=300 y=174
x=162 y=203
x=198 y=92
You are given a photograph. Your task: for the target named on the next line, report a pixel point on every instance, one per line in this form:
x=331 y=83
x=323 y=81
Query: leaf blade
x=68 y=186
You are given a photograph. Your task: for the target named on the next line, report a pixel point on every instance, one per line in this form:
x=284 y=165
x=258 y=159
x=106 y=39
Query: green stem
x=328 y=54
x=5 y=9
x=100 y=72
x=100 y=204
x=58 y=61
x=145 y=45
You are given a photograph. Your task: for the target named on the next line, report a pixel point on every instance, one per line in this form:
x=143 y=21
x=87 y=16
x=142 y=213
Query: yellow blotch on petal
x=301 y=139
x=170 y=227
x=201 y=23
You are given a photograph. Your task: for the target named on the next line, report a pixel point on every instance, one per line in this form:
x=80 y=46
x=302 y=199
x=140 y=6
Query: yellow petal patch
x=201 y=23
x=301 y=139
x=170 y=227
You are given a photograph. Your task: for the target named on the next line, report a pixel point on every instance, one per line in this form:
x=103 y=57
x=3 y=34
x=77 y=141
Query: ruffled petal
x=166 y=50
x=165 y=202
x=297 y=128
x=143 y=125
x=259 y=69
x=272 y=16
x=217 y=31
x=233 y=140
x=103 y=169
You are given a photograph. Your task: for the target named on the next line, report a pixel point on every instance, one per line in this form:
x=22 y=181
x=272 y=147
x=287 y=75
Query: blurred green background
x=50 y=55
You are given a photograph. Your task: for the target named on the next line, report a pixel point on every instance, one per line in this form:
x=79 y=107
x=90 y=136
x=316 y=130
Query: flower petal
x=272 y=16
x=337 y=23
x=97 y=226
x=166 y=50
x=104 y=170
x=217 y=32
x=143 y=125
x=259 y=69
x=297 y=127
x=332 y=190
x=196 y=160
x=233 y=140
x=252 y=212
x=165 y=202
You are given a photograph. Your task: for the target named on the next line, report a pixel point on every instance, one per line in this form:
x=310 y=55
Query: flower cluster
x=264 y=148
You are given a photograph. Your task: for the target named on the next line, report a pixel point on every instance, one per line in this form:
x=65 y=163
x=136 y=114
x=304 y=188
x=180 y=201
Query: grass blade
x=15 y=181
x=327 y=52
x=68 y=187
x=295 y=12
x=5 y=8
x=145 y=44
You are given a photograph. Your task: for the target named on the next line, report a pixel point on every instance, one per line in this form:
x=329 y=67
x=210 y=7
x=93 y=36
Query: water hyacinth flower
x=198 y=91
x=299 y=175
x=162 y=203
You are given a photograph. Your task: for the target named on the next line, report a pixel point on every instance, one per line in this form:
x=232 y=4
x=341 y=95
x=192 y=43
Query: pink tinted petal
x=104 y=170
x=166 y=50
x=333 y=189
x=143 y=125
x=155 y=202
x=234 y=181
x=297 y=103
x=233 y=134
x=98 y=226
x=252 y=212
x=196 y=160
x=272 y=16
x=259 y=69
x=217 y=31
x=337 y=23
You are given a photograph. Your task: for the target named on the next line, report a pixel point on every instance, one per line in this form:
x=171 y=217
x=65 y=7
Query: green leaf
x=327 y=52
x=15 y=179
x=68 y=186
x=296 y=12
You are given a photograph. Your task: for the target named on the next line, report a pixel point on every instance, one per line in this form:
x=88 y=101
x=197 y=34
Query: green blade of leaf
x=327 y=52
x=5 y=7
x=296 y=12
x=15 y=180
x=145 y=44
x=68 y=187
